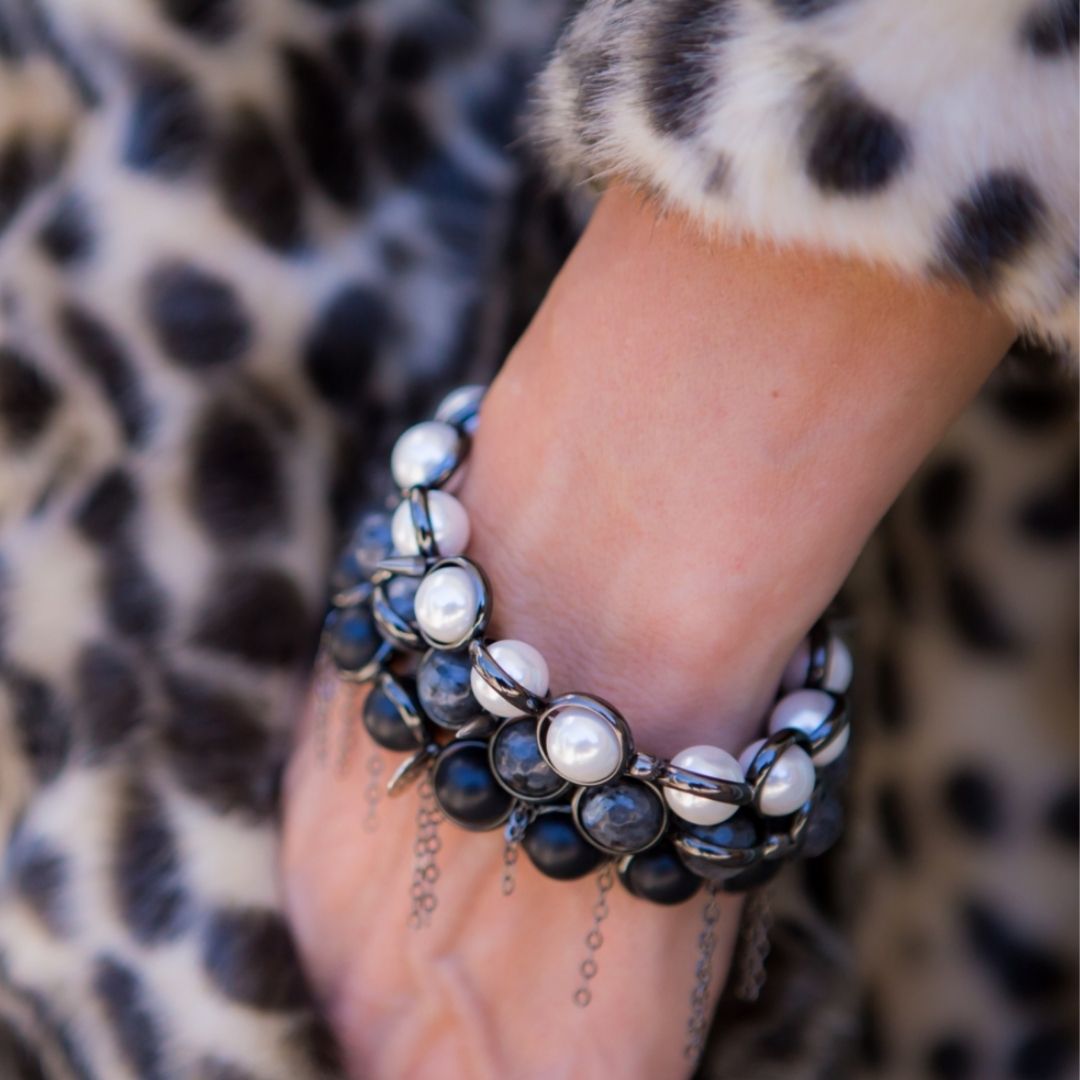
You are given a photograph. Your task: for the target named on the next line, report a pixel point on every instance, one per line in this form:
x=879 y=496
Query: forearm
x=688 y=448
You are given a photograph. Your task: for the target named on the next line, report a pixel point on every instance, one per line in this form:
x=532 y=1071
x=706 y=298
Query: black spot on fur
x=402 y=136
x=324 y=125
x=343 y=344
x=893 y=822
x=897 y=576
x=890 y=695
x=167 y=129
x=951 y=1058
x=39 y=875
x=58 y=1032
x=970 y=798
x=1031 y=402
x=28 y=398
x=256 y=613
x=148 y=871
x=67 y=237
x=134 y=601
x=595 y=74
x=218 y=749
x=316 y=1042
x=134 y=1020
x=208 y=20
x=197 y=316
x=803 y=9
x=871 y=1039
x=249 y=955
x=104 y=514
x=1052 y=28
x=1048 y=1053
x=1024 y=969
x=1063 y=817
x=944 y=495
x=409 y=57
x=17 y=175
x=350 y=48
x=108 y=692
x=100 y=352
x=990 y=227
x=19 y=1058
x=43 y=727
x=974 y=616
x=680 y=62
x=256 y=182
x=1052 y=516
x=236 y=481
x=853 y=147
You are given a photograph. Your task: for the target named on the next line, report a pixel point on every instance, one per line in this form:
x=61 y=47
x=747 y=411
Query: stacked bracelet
x=562 y=775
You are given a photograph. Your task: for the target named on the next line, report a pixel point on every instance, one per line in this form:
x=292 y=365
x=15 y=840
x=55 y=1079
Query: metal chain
x=697 y=1028
x=518 y=822
x=594 y=938
x=326 y=684
x=426 y=848
x=757 y=922
x=373 y=791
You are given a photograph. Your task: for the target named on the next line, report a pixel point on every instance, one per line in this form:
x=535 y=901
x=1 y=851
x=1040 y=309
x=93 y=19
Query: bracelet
x=562 y=774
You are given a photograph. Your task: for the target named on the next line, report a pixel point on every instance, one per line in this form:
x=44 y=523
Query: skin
x=676 y=470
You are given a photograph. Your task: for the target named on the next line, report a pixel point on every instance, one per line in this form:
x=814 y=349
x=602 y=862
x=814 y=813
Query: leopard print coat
x=242 y=243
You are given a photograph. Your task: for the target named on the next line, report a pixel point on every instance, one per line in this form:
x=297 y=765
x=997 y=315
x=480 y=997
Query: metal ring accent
x=768 y=756
x=453 y=460
x=400 y=566
x=598 y=707
x=403 y=704
x=786 y=844
x=461 y=417
x=532 y=799
x=704 y=787
x=421 y=522
x=508 y=688
x=832 y=727
x=820 y=645
x=644 y=766
x=483 y=594
x=351 y=596
x=391 y=625
x=584 y=793
x=735 y=858
x=410 y=770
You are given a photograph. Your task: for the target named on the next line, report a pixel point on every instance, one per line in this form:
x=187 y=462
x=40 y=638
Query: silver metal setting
x=820 y=645
x=508 y=688
x=583 y=793
x=421 y=522
x=400 y=565
x=404 y=705
x=391 y=625
x=728 y=857
x=411 y=769
x=644 y=766
x=483 y=608
x=354 y=594
x=599 y=708
x=832 y=727
x=531 y=799
x=704 y=787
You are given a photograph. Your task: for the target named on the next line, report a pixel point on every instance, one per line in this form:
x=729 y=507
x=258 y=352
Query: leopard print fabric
x=241 y=244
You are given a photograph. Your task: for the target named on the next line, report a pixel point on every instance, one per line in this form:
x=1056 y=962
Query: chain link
x=754 y=951
x=697 y=1028
x=426 y=848
x=373 y=791
x=519 y=820
x=326 y=684
x=594 y=938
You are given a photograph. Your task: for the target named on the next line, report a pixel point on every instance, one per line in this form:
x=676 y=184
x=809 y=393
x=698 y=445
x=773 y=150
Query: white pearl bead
x=709 y=761
x=446 y=604
x=804 y=711
x=462 y=400
x=448 y=519
x=790 y=781
x=521 y=662
x=582 y=747
x=422 y=453
x=838 y=669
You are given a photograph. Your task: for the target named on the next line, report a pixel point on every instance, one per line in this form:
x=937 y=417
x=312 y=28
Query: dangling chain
x=756 y=924
x=518 y=822
x=594 y=938
x=373 y=791
x=697 y=1029
x=325 y=684
x=425 y=849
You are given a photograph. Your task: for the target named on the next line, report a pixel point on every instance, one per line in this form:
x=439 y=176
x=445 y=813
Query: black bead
x=824 y=827
x=519 y=765
x=443 y=685
x=368 y=545
x=556 y=847
x=623 y=816
x=466 y=788
x=740 y=832
x=385 y=724
x=400 y=593
x=659 y=875
x=351 y=637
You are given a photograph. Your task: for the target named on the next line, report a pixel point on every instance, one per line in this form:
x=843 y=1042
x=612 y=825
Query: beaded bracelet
x=561 y=774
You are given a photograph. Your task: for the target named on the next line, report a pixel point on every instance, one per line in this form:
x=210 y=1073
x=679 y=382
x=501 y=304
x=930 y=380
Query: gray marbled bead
x=623 y=816
x=519 y=765
x=442 y=684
